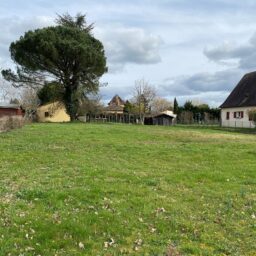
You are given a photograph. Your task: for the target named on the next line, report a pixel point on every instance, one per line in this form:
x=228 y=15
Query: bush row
x=11 y=122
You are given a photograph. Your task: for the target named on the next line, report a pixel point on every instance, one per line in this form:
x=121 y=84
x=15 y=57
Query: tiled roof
x=116 y=100
x=114 y=108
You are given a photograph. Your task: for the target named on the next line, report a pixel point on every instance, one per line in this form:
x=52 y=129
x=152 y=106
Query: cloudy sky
x=189 y=49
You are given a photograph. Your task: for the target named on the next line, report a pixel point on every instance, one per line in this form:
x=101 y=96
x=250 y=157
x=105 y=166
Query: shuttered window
x=227 y=115
x=239 y=114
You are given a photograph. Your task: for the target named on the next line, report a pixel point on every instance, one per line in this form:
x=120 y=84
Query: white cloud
x=244 y=56
x=14 y=27
x=214 y=99
x=126 y=45
x=202 y=82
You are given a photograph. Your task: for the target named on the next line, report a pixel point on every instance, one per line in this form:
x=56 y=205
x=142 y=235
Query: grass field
x=84 y=189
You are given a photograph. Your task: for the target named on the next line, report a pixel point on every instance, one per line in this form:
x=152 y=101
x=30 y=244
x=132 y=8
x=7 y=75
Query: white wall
x=236 y=122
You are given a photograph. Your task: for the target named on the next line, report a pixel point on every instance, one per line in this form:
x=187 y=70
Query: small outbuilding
x=165 y=118
x=7 y=109
x=52 y=112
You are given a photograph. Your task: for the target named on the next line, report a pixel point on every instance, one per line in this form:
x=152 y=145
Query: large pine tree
x=67 y=54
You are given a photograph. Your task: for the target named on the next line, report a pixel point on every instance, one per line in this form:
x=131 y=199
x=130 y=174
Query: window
x=227 y=115
x=239 y=114
x=46 y=114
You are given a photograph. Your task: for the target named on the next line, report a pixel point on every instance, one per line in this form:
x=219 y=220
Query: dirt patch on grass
x=172 y=251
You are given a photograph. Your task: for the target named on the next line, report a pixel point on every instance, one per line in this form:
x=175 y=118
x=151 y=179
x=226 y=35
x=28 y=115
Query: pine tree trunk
x=71 y=102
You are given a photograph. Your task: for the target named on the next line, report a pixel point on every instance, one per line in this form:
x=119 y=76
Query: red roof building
x=10 y=110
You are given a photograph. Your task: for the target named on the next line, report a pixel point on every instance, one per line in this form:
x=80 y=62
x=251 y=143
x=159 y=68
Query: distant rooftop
x=167 y=113
x=116 y=101
x=8 y=105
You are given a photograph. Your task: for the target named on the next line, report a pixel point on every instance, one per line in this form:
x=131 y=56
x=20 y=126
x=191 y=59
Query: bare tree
x=7 y=91
x=29 y=102
x=91 y=104
x=160 y=104
x=143 y=96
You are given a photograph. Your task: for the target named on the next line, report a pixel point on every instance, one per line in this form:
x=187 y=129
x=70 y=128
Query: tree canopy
x=51 y=92
x=67 y=54
x=198 y=113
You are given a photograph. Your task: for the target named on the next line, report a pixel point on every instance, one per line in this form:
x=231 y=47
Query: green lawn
x=88 y=189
